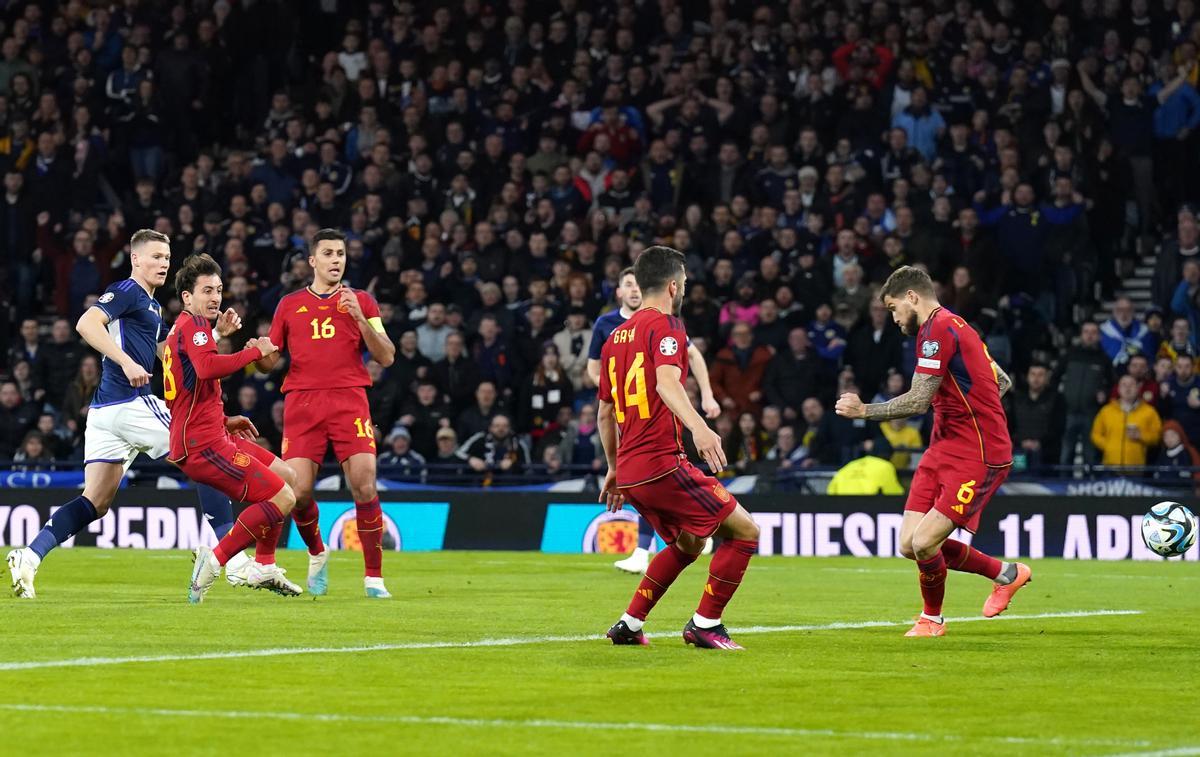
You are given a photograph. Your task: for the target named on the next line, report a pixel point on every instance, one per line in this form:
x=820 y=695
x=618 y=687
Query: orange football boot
x=927 y=627
x=997 y=601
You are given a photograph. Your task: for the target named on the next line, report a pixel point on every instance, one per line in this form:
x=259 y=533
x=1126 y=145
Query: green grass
x=1084 y=685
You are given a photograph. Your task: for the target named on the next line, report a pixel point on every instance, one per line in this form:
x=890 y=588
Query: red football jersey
x=968 y=419
x=323 y=343
x=192 y=373
x=651 y=441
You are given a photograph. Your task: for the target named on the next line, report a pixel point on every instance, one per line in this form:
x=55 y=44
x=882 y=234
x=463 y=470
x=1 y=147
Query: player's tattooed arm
x=913 y=402
x=1002 y=379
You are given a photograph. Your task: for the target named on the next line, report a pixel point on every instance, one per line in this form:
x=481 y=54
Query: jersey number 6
x=635 y=377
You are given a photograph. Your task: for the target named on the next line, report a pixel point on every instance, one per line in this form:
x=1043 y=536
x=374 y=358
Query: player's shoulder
x=124 y=289
x=363 y=295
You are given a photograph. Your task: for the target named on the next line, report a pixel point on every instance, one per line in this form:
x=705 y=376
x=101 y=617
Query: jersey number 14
x=633 y=387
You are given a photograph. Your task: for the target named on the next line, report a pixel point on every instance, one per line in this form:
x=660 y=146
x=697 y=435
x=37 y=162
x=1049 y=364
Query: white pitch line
x=1104 y=576
x=1183 y=751
x=91 y=662
x=567 y=725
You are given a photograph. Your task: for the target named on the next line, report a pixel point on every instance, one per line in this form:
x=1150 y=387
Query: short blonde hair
x=142 y=236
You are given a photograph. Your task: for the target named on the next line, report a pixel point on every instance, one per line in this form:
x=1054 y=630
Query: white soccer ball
x=1169 y=529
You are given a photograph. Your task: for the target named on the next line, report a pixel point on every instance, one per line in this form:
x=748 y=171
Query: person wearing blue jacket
x=828 y=339
x=1175 y=122
x=923 y=124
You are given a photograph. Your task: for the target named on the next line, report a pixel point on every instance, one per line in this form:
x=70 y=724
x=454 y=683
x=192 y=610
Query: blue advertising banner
x=590 y=528
x=408 y=526
x=18 y=479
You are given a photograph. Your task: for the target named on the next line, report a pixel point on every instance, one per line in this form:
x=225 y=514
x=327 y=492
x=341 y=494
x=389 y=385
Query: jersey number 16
x=635 y=379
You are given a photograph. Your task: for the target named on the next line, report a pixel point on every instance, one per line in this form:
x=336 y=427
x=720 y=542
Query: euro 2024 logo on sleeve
x=344 y=533
x=611 y=533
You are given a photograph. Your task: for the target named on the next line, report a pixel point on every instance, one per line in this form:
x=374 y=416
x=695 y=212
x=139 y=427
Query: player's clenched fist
x=137 y=375
x=849 y=405
x=708 y=444
x=263 y=344
x=348 y=303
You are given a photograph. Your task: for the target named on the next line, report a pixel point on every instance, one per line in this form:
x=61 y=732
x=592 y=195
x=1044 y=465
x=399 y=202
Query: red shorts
x=239 y=469
x=315 y=418
x=958 y=489
x=686 y=499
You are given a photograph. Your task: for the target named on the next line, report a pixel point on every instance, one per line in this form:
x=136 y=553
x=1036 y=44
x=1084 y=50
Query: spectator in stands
x=738 y=370
x=400 y=462
x=905 y=440
x=572 y=344
x=1085 y=378
x=431 y=335
x=457 y=375
x=1180 y=397
x=829 y=339
x=423 y=416
x=1124 y=335
x=545 y=391
x=33 y=454
x=1036 y=417
x=476 y=418
x=1149 y=387
x=86 y=268
x=16 y=418
x=1126 y=428
x=1178 y=457
x=580 y=444
x=874 y=349
x=791 y=376
x=496 y=453
x=1179 y=340
x=79 y=394
x=62 y=354
x=750 y=445
x=1175 y=252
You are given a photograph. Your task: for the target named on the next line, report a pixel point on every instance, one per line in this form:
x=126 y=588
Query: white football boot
x=272 y=578
x=318 y=573
x=636 y=563
x=375 y=589
x=237 y=568
x=22 y=566
x=204 y=574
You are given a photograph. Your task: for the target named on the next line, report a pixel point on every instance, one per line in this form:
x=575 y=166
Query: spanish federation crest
x=929 y=348
x=668 y=346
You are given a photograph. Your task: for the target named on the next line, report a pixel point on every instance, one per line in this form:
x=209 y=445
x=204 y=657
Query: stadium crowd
x=496 y=165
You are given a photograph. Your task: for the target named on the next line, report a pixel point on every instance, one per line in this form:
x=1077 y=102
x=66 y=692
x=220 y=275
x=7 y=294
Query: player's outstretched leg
x=730 y=560
x=660 y=574
x=100 y=484
x=1008 y=577
x=218 y=513
x=639 y=560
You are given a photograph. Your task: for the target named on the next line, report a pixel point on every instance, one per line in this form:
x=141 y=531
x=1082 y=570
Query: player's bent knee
x=692 y=545
x=906 y=551
x=363 y=492
x=285 y=499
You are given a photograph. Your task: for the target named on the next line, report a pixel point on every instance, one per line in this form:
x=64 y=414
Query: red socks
x=308 y=523
x=724 y=575
x=965 y=558
x=933 y=583
x=264 y=549
x=664 y=569
x=257 y=522
x=369 y=517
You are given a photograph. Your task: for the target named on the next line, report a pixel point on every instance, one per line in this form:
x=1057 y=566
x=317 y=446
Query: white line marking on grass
x=566 y=725
x=1183 y=751
x=92 y=662
x=1068 y=574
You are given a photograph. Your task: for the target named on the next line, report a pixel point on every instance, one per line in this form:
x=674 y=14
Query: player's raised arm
x=93 y=327
x=370 y=325
x=913 y=402
x=1003 y=381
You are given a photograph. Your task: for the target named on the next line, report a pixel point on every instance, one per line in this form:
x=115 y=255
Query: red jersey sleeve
x=197 y=339
x=368 y=304
x=668 y=343
x=279 y=327
x=935 y=349
x=604 y=393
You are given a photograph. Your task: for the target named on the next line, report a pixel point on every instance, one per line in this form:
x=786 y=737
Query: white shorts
x=117 y=433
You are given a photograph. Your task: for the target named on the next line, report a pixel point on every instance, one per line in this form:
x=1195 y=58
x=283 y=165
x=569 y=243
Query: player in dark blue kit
x=125 y=326
x=630 y=297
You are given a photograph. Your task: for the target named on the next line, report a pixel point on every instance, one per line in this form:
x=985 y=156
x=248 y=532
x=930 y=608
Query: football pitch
x=501 y=653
